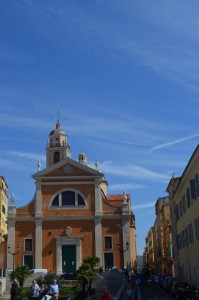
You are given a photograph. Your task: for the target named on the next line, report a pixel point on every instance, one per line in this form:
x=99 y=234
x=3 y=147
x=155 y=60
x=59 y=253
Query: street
x=147 y=292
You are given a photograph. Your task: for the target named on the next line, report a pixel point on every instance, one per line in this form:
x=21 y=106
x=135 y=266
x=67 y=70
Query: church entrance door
x=68 y=258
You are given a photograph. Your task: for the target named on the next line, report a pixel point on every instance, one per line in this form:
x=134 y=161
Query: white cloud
x=174 y=142
x=12 y=165
x=132 y=171
x=27 y=155
x=143 y=206
x=125 y=186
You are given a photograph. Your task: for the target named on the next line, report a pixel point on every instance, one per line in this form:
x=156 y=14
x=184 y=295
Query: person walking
x=13 y=290
x=54 y=290
x=34 y=290
x=128 y=288
x=106 y=294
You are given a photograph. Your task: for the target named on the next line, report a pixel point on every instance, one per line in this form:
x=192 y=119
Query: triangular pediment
x=68 y=168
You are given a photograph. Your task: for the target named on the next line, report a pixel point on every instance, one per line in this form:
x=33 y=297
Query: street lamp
x=13 y=254
x=118 y=247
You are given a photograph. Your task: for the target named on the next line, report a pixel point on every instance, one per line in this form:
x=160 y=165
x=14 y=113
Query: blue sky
x=124 y=76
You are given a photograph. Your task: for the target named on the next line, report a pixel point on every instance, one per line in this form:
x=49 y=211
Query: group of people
x=44 y=292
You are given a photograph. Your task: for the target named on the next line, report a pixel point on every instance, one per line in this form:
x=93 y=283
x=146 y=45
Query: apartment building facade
x=186 y=202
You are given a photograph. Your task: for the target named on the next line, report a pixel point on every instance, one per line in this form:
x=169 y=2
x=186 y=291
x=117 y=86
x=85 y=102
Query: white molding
x=54 y=218
x=68 y=182
x=64 y=240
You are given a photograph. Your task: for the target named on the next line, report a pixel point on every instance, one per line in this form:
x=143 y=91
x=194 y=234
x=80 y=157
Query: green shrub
x=23 y=293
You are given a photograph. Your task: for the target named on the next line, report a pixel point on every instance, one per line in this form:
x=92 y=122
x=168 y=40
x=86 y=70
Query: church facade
x=71 y=216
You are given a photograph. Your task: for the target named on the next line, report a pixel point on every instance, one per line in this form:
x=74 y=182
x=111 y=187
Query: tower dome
x=58 y=130
x=83 y=158
x=57 y=147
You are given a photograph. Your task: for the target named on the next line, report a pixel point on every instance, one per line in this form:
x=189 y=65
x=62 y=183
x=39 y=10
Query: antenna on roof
x=58 y=115
x=173 y=174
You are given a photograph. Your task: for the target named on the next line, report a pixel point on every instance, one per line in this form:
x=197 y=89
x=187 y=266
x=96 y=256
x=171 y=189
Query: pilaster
x=11 y=235
x=126 y=234
x=98 y=198
x=38 y=199
x=98 y=238
x=38 y=244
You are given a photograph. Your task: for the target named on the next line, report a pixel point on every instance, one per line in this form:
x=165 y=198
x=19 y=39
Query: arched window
x=68 y=199
x=56 y=201
x=56 y=157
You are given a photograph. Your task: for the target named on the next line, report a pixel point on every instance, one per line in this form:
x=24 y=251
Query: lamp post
x=118 y=247
x=13 y=254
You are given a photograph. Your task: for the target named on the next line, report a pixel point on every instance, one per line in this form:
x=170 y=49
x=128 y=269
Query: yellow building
x=186 y=199
x=3 y=208
x=71 y=216
x=3 y=223
x=162 y=236
x=150 y=249
x=173 y=183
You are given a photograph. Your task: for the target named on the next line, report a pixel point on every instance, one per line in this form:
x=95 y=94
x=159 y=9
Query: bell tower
x=57 y=147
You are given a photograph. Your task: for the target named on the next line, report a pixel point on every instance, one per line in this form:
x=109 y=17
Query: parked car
x=163 y=277
x=165 y=282
x=180 y=290
x=44 y=271
x=170 y=283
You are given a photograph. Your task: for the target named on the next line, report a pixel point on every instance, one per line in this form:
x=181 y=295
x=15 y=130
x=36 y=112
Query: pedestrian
x=54 y=290
x=106 y=294
x=115 y=297
x=44 y=290
x=34 y=290
x=13 y=290
x=128 y=288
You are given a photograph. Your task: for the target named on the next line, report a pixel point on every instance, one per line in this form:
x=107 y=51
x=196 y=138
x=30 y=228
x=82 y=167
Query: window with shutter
x=197 y=228
x=197 y=184
x=193 y=188
x=184 y=204
x=188 y=197
x=190 y=233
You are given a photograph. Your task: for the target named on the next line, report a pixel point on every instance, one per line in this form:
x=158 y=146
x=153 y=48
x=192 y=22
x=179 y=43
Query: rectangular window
x=28 y=244
x=197 y=184
x=183 y=239
x=177 y=242
x=108 y=242
x=186 y=236
x=184 y=203
x=197 y=228
x=188 y=197
x=190 y=233
x=177 y=213
x=181 y=211
x=3 y=209
x=193 y=188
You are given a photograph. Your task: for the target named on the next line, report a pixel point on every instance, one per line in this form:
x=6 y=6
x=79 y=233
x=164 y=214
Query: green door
x=68 y=258
x=108 y=260
x=28 y=260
